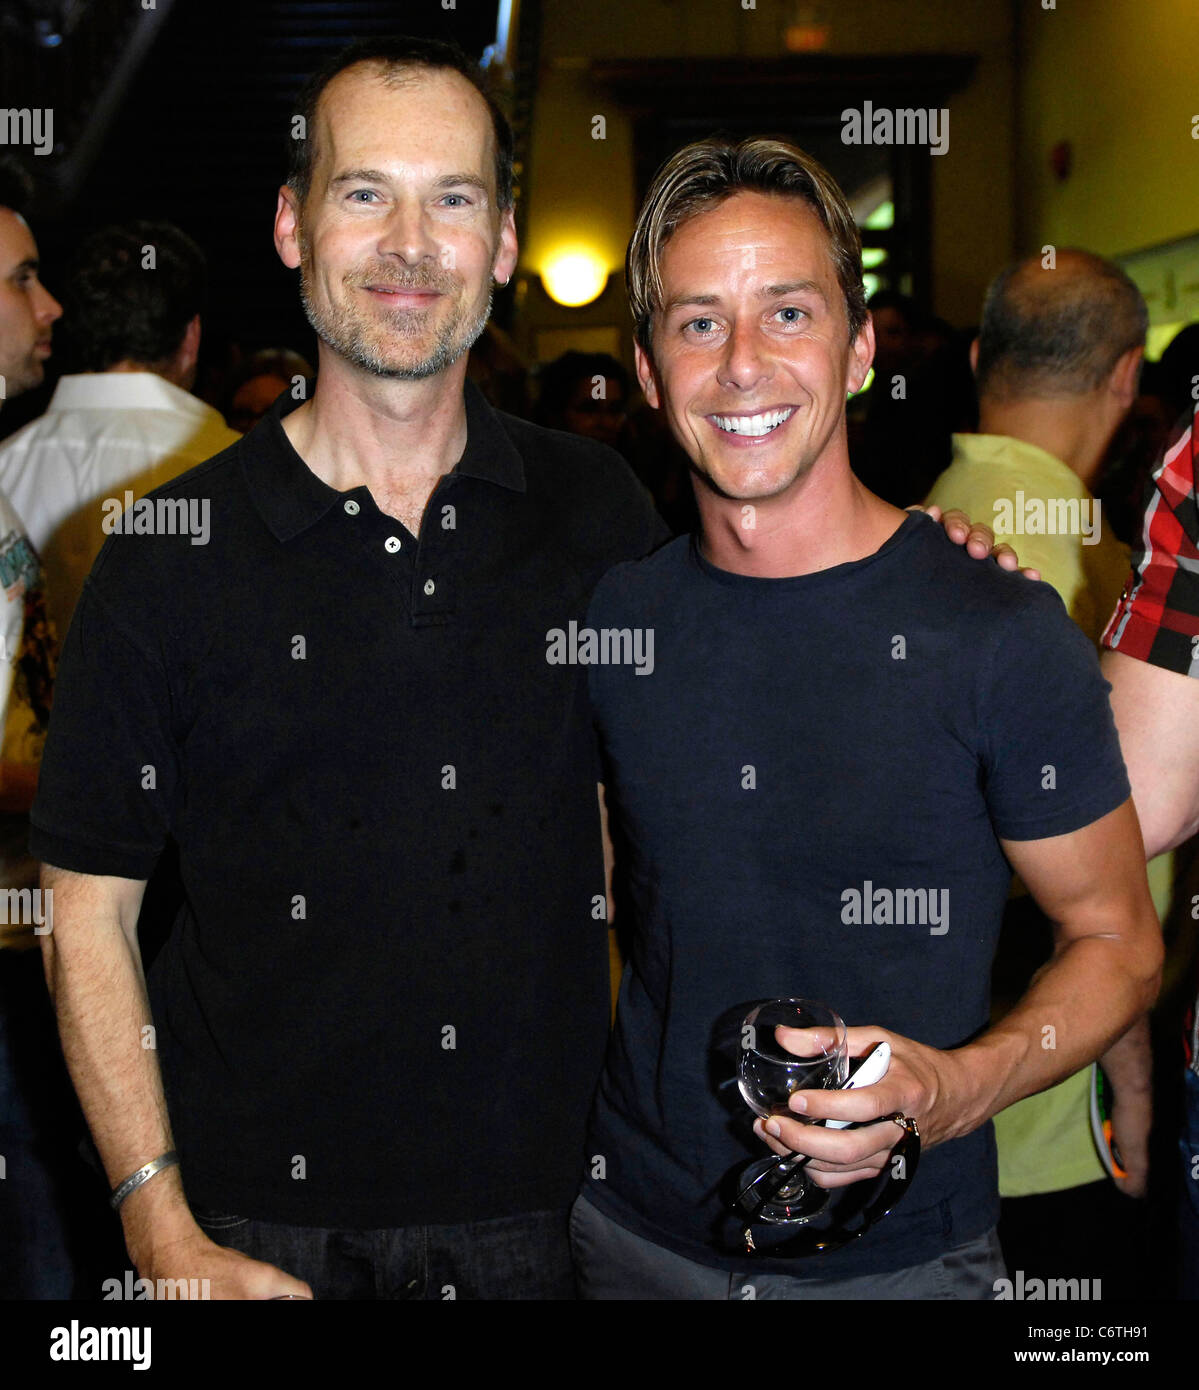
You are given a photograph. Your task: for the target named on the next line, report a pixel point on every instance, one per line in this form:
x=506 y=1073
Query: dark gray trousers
x=613 y=1263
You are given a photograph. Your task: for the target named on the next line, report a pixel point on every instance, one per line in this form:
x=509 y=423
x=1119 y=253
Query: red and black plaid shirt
x=1157 y=617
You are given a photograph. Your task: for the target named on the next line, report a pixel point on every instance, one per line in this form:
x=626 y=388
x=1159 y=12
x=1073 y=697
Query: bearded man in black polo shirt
x=383 y=794
x=382 y=791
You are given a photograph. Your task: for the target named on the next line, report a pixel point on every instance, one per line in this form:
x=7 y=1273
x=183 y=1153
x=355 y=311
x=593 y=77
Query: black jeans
x=512 y=1257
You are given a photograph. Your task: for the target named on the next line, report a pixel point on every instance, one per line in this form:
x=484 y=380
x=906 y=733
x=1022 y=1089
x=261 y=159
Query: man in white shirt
x=28 y=312
x=127 y=422
x=35 y=1096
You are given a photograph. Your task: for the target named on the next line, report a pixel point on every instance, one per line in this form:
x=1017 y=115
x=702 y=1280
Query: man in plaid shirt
x=1152 y=662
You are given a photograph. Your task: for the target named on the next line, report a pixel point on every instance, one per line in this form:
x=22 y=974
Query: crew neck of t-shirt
x=900 y=536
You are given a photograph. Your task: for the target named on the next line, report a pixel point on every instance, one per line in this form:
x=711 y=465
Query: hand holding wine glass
x=768 y=1074
x=792 y=1045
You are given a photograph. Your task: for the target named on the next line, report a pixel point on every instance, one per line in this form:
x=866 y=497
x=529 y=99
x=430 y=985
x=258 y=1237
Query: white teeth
x=753 y=424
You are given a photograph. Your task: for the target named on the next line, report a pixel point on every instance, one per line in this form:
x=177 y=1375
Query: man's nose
x=745 y=362
x=408 y=234
x=48 y=308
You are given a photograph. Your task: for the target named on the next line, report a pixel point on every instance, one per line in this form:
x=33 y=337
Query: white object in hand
x=872 y=1069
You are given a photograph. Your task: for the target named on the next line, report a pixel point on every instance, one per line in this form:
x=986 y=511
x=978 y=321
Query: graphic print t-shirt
x=28 y=656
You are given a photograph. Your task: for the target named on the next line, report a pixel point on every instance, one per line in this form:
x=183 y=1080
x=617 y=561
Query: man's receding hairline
x=391 y=76
x=29 y=256
x=400 y=73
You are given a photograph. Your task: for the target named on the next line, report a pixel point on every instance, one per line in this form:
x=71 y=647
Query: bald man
x=1057 y=362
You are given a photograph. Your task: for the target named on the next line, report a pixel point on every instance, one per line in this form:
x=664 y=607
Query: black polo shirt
x=384 y=1001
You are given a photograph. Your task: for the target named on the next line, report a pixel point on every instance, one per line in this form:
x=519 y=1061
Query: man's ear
x=974 y=357
x=647 y=377
x=1125 y=378
x=507 y=254
x=190 y=346
x=287 y=228
x=181 y=367
x=862 y=350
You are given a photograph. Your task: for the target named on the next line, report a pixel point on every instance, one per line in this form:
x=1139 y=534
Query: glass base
x=792 y=1205
x=789 y=1227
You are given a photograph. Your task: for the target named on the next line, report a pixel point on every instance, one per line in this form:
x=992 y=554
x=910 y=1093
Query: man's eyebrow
x=456 y=180
x=793 y=287
x=687 y=300
x=29 y=263
x=359 y=176
x=378 y=176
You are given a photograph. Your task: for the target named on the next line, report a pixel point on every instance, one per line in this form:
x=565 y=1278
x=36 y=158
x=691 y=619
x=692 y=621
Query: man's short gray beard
x=444 y=355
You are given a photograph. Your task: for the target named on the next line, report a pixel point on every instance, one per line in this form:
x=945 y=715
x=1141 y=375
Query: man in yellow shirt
x=1056 y=363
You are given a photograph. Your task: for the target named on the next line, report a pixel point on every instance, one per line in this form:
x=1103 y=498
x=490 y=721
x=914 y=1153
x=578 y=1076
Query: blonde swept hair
x=700 y=177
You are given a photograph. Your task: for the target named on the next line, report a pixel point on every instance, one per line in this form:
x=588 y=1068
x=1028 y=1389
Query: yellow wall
x=577 y=185
x=1117 y=79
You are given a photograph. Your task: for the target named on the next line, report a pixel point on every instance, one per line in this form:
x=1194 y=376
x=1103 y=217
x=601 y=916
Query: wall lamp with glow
x=574 y=276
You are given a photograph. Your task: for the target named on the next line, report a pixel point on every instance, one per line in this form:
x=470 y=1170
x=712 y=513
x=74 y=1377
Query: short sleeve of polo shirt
x=110 y=768
x=1050 y=752
x=1157 y=616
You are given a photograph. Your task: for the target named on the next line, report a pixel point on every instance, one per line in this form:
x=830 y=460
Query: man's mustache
x=441 y=281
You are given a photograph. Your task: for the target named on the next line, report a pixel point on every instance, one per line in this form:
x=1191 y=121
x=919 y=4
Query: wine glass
x=773 y=1189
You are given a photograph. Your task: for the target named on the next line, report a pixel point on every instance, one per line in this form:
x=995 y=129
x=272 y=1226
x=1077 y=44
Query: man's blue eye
x=701 y=325
x=791 y=309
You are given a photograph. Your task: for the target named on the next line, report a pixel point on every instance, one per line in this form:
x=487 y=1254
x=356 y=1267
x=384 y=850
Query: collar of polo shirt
x=291 y=498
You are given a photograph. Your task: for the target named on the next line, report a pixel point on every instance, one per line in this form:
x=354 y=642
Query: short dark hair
x=16 y=187
x=1060 y=330
x=397 y=56
x=700 y=177
x=115 y=310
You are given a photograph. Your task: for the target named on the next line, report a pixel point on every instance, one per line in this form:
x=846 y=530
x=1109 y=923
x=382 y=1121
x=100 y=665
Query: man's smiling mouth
x=404 y=291
x=754 y=426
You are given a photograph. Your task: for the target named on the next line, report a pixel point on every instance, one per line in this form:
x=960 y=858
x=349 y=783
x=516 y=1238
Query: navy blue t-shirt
x=783 y=752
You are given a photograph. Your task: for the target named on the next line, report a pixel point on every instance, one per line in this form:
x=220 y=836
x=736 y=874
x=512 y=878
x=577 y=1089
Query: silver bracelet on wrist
x=143 y=1174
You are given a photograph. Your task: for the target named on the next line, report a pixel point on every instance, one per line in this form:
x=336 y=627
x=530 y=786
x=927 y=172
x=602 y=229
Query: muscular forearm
x=1079 y=1007
x=1129 y=1060
x=1129 y=1066
x=94 y=972
x=1103 y=976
